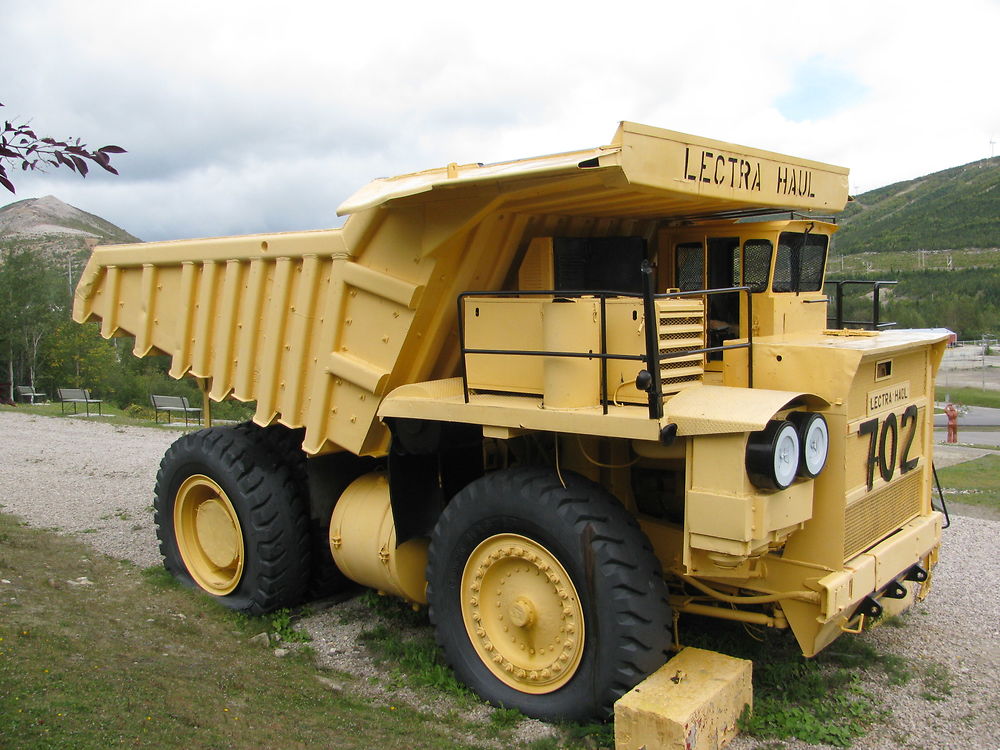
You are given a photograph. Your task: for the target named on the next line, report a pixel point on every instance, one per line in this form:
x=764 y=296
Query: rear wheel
x=230 y=521
x=284 y=444
x=544 y=598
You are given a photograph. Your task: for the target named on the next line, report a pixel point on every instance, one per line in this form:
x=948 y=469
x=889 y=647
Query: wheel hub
x=219 y=539
x=522 y=613
x=209 y=537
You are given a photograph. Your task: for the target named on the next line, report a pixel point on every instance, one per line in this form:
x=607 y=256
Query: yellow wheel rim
x=208 y=534
x=522 y=613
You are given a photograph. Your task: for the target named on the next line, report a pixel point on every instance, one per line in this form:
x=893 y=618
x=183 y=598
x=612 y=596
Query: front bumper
x=869 y=573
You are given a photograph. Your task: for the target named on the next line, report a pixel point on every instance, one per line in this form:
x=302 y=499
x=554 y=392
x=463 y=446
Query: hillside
x=956 y=209
x=55 y=229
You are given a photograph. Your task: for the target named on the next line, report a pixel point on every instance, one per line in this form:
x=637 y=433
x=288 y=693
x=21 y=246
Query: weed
x=280 y=623
x=545 y=743
x=503 y=719
x=818 y=700
x=160 y=577
x=394 y=610
x=897 y=668
x=937 y=682
x=415 y=660
x=590 y=735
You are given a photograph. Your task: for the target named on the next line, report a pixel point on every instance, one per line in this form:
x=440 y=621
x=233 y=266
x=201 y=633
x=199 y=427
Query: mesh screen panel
x=690 y=266
x=756 y=264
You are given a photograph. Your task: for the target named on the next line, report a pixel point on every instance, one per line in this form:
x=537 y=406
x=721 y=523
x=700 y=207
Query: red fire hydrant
x=952 y=413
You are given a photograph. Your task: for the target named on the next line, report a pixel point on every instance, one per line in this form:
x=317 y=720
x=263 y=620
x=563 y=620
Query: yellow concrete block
x=691 y=703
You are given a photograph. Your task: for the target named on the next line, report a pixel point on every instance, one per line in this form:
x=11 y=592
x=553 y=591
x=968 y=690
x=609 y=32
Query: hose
x=810 y=596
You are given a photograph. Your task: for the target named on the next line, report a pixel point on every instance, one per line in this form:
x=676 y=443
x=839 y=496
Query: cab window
x=756 y=264
x=798 y=266
x=690 y=266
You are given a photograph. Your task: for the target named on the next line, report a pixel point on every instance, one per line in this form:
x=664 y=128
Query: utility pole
x=984 y=363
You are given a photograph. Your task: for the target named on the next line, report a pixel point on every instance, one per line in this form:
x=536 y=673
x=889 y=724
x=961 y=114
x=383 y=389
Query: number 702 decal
x=888 y=436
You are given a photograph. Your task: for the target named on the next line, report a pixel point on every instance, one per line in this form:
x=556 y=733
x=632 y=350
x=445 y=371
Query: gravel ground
x=95 y=480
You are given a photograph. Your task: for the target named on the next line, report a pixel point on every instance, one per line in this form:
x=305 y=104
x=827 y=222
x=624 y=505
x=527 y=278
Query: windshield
x=799 y=263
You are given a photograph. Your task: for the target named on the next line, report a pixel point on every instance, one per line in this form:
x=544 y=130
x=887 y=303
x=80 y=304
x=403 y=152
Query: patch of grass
x=545 y=743
x=406 y=645
x=505 y=719
x=280 y=623
x=394 y=610
x=590 y=735
x=968 y=397
x=110 y=414
x=413 y=660
x=817 y=700
x=137 y=660
x=973 y=482
x=937 y=682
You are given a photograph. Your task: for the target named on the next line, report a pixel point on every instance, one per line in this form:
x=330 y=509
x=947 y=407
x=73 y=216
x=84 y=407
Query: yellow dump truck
x=558 y=400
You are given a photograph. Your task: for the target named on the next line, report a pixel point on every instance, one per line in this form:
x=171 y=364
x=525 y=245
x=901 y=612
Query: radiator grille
x=681 y=328
x=879 y=513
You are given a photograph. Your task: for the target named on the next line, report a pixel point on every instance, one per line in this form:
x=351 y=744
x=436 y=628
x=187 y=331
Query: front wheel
x=230 y=521
x=546 y=598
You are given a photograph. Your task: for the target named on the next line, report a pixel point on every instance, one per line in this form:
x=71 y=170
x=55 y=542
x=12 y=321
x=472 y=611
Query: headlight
x=773 y=455
x=814 y=437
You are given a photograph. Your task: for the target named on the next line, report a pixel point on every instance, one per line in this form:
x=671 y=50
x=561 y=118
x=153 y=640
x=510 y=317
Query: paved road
x=974 y=416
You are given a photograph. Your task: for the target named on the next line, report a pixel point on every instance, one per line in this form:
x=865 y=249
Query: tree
x=32 y=300
x=20 y=147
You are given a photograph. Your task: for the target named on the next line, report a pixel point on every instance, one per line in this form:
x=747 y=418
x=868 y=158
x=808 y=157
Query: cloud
x=247 y=116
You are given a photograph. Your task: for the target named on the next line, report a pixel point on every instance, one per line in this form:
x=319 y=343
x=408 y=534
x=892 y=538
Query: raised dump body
x=556 y=399
x=317 y=327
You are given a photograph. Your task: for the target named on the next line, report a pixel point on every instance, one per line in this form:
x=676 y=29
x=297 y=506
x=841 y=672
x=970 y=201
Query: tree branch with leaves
x=21 y=147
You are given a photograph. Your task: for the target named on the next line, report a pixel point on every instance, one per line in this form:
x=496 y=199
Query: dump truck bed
x=317 y=327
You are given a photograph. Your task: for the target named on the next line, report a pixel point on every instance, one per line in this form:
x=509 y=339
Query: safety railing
x=647 y=380
x=837 y=321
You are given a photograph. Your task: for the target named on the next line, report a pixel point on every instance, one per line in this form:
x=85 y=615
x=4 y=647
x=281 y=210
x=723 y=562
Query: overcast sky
x=248 y=116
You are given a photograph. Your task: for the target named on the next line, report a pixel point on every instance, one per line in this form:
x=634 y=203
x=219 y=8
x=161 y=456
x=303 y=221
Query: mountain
x=56 y=229
x=955 y=209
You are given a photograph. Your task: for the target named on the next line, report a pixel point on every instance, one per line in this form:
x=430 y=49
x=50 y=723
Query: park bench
x=169 y=404
x=28 y=393
x=77 y=396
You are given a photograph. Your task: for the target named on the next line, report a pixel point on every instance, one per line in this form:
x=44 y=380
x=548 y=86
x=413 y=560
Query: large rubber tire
x=516 y=563
x=285 y=446
x=252 y=553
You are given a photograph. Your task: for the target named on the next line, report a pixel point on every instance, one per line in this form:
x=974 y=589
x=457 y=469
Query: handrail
x=652 y=358
x=875 y=323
